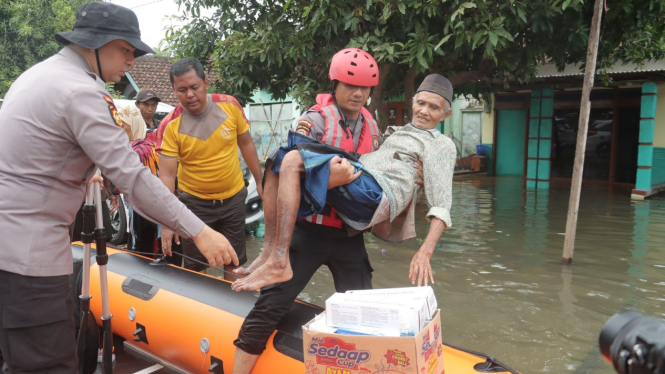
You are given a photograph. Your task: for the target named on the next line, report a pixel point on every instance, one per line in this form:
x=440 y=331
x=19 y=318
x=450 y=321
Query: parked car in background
x=253 y=203
x=599 y=135
x=119 y=222
x=566 y=134
x=599 y=138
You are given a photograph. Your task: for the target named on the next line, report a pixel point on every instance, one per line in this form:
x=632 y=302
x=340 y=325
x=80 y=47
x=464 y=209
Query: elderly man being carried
x=381 y=196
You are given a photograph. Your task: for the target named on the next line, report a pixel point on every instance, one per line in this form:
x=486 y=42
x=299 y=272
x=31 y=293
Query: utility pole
x=585 y=107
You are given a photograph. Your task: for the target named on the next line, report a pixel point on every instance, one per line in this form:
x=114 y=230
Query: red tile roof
x=152 y=72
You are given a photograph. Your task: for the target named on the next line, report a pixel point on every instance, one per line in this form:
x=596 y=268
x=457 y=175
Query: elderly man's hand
x=418 y=165
x=215 y=247
x=420 y=270
x=341 y=172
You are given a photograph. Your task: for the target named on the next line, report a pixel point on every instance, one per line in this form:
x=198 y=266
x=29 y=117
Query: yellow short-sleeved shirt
x=206 y=147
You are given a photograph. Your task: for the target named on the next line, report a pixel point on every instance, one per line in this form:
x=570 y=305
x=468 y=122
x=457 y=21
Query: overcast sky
x=151 y=15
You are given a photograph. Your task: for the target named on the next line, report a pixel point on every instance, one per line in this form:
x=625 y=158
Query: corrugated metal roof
x=550 y=71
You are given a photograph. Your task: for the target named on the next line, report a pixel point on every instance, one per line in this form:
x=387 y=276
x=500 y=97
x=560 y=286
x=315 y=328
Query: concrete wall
x=453 y=126
x=455 y=122
x=658 y=166
x=659 y=130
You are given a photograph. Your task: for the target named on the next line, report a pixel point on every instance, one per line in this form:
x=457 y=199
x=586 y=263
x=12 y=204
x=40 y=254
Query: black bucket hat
x=98 y=23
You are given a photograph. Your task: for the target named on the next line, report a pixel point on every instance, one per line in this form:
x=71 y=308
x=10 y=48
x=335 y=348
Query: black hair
x=183 y=66
x=333 y=84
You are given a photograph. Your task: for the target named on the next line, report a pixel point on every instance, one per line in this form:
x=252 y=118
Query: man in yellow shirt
x=200 y=146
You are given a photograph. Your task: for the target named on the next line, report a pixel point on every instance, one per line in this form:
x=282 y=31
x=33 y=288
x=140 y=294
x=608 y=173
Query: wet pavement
x=499 y=279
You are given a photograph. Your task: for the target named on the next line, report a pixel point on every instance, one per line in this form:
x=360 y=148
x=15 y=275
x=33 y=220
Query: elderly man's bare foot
x=245 y=271
x=242 y=271
x=269 y=273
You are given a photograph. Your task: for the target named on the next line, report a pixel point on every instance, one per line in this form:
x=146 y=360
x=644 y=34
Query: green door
x=511 y=130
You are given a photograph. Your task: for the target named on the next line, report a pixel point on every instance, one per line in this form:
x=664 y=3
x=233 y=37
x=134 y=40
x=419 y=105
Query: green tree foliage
x=110 y=87
x=27 y=29
x=284 y=46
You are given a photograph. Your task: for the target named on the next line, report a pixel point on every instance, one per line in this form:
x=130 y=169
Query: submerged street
x=499 y=280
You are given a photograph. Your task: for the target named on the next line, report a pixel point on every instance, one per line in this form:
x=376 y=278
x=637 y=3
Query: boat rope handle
x=163 y=257
x=483 y=355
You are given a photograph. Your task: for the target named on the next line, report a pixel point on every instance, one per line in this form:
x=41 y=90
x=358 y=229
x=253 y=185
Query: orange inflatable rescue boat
x=187 y=321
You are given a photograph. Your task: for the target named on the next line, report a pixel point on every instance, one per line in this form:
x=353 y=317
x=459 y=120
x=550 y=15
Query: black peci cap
x=439 y=85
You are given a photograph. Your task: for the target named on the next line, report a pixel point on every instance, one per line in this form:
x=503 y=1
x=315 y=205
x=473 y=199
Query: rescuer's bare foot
x=271 y=272
x=245 y=271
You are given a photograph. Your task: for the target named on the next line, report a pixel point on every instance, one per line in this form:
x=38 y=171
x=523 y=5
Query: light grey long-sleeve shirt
x=56 y=123
x=393 y=168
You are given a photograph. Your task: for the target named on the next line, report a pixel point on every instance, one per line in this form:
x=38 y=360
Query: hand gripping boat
x=188 y=321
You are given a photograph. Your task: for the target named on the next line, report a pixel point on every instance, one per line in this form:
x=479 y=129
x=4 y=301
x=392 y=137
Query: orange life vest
x=336 y=136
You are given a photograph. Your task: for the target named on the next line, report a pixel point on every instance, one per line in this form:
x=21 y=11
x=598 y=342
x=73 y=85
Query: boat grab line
x=151 y=369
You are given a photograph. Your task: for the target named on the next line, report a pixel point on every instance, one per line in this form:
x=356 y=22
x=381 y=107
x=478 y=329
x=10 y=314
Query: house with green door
x=533 y=129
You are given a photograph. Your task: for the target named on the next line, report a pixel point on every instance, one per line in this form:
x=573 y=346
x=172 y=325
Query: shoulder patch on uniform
x=375 y=142
x=304 y=127
x=114 y=112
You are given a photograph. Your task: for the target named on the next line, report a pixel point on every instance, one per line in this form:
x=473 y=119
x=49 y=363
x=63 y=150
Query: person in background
x=200 y=147
x=143 y=232
x=133 y=123
x=61 y=107
x=147 y=101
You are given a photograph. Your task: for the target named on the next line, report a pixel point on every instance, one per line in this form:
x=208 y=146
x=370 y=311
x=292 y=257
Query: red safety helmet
x=354 y=66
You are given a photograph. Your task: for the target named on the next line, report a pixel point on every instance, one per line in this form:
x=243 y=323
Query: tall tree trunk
x=409 y=89
x=377 y=106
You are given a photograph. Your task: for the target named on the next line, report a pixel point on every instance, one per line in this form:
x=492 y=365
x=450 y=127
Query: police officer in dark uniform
x=58 y=122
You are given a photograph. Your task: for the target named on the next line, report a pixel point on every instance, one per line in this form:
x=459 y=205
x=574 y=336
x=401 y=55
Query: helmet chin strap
x=99 y=65
x=344 y=122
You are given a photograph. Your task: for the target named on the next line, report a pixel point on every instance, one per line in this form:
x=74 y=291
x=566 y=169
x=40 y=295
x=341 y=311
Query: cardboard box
x=318 y=324
x=376 y=316
x=330 y=353
x=402 y=293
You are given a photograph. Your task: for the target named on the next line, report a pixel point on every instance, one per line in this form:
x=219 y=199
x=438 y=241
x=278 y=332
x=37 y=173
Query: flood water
x=499 y=280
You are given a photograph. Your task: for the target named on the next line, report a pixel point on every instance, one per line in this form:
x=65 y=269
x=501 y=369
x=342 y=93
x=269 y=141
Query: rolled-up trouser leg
x=312 y=246
x=275 y=302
